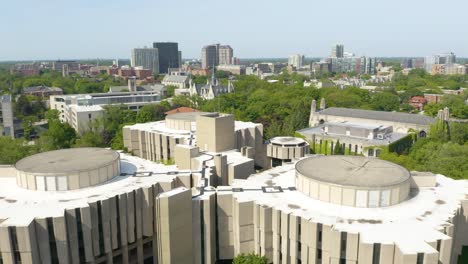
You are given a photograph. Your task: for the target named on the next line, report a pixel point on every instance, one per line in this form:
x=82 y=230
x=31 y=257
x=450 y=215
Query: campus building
x=80 y=110
x=212 y=132
x=178 y=80
x=104 y=207
x=211 y=202
x=42 y=91
x=361 y=131
x=111 y=207
x=208 y=91
x=401 y=122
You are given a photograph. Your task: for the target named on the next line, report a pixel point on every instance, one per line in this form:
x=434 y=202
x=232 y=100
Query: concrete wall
x=240 y=170
x=126 y=228
x=71 y=181
x=166 y=225
x=287 y=238
x=215 y=134
x=183 y=156
x=174 y=215
x=287 y=153
x=353 y=196
x=154 y=146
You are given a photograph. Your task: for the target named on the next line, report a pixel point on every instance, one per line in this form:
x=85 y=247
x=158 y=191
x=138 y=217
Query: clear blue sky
x=52 y=29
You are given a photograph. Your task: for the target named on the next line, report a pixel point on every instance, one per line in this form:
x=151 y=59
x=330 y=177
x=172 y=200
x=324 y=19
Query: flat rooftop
x=67 y=160
x=86 y=108
x=189 y=116
x=160 y=126
x=356 y=171
x=287 y=140
x=410 y=224
x=20 y=206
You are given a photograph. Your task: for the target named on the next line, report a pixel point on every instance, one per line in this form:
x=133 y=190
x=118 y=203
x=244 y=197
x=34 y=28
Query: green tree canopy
x=250 y=259
x=12 y=150
x=58 y=136
x=385 y=101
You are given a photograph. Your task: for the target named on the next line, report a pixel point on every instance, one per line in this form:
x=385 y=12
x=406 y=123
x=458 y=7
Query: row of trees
x=420 y=79
x=284 y=108
x=71 y=85
x=445 y=151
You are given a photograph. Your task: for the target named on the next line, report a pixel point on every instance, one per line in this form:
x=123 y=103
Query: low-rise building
x=233 y=69
x=401 y=122
x=26 y=69
x=367 y=139
x=418 y=102
x=182 y=109
x=179 y=81
x=80 y=110
x=433 y=98
x=42 y=91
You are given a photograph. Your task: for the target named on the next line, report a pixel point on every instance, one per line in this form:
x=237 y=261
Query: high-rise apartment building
x=210 y=56
x=168 y=55
x=225 y=54
x=296 y=60
x=147 y=58
x=216 y=54
x=338 y=51
x=359 y=65
x=445 y=58
x=7 y=126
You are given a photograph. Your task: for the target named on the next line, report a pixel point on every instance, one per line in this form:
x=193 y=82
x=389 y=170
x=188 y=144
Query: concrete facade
x=211 y=132
x=215 y=134
x=286 y=149
x=152 y=213
x=97 y=166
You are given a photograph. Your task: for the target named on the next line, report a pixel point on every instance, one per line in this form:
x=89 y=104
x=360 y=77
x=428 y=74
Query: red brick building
x=433 y=98
x=418 y=102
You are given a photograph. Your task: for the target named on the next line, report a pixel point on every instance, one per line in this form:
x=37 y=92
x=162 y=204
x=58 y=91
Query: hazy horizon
x=89 y=29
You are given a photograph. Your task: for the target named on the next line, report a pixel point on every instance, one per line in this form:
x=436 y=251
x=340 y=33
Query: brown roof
x=182 y=109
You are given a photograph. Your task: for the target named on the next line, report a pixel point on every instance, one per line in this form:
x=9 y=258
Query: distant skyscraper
x=296 y=60
x=168 y=55
x=225 y=54
x=338 y=51
x=445 y=58
x=450 y=58
x=210 y=56
x=147 y=58
x=407 y=63
x=180 y=58
x=216 y=54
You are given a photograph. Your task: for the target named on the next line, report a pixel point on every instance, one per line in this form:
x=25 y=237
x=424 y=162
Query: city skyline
x=110 y=35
